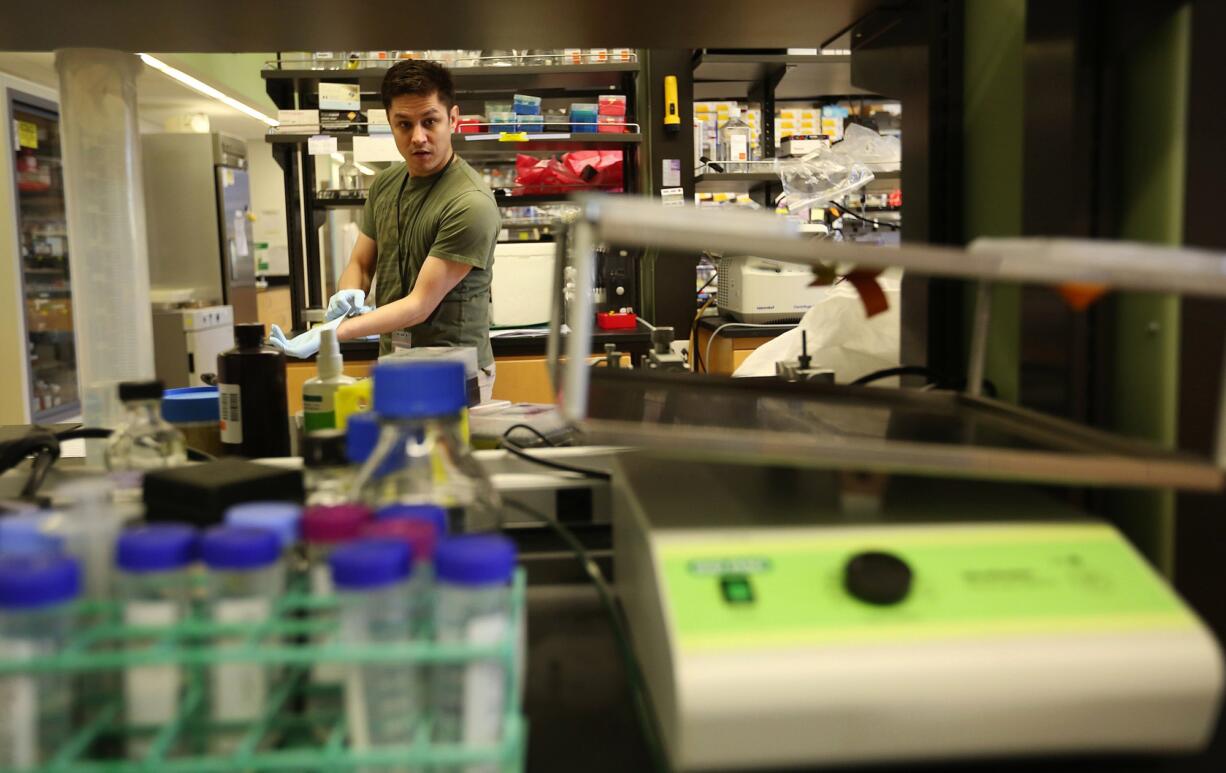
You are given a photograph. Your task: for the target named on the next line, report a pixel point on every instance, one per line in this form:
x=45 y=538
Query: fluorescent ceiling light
x=364 y=169
x=206 y=89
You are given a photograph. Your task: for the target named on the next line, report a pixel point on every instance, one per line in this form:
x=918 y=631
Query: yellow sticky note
x=27 y=135
x=513 y=137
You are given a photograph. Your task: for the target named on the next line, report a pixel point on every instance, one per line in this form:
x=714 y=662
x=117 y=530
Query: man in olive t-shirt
x=428 y=231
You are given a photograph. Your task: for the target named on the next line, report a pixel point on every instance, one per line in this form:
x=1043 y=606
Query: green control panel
x=889 y=584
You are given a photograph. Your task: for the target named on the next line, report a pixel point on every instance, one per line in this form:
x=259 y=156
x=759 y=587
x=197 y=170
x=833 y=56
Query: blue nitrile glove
x=344 y=303
x=302 y=346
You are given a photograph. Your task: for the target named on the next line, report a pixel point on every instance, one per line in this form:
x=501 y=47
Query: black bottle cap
x=325 y=448
x=140 y=390
x=249 y=334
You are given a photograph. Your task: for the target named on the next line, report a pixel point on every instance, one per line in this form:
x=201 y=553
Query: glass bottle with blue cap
x=34 y=532
x=283 y=519
x=36 y=619
x=473 y=576
x=153 y=582
x=422 y=456
x=245 y=577
x=378 y=603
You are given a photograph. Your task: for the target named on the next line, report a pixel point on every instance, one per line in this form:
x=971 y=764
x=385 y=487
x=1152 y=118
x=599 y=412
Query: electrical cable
x=516 y=450
x=879 y=223
x=506 y=435
x=905 y=370
x=697 y=359
x=714 y=276
x=644 y=708
x=711 y=340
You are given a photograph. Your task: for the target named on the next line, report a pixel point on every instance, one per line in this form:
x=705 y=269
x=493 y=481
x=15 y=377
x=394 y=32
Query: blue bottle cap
x=370 y=563
x=239 y=547
x=38 y=580
x=362 y=434
x=189 y=404
x=27 y=533
x=280 y=518
x=156 y=548
x=432 y=513
x=476 y=559
x=418 y=390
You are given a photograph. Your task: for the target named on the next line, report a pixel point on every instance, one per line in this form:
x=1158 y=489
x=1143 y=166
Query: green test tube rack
x=285 y=736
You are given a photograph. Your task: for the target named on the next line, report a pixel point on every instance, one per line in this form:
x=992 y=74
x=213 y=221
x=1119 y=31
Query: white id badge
x=402 y=339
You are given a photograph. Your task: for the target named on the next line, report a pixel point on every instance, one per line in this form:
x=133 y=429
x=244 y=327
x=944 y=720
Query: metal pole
x=579 y=341
x=979 y=339
x=1220 y=450
x=557 y=308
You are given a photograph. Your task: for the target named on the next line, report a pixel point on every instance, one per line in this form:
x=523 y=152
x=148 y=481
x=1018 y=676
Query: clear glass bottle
x=327 y=474
x=145 y=441
x=326 y=528
x=153 y=581
x=422 y=456
x=734 y=143
x=378 y=604
x=472 y=606
x=245 y=577
x=36 y=619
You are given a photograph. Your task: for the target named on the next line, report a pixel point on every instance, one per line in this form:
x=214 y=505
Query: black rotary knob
x=877 y=578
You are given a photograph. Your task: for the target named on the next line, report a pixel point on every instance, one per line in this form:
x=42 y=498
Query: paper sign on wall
x=27 y=134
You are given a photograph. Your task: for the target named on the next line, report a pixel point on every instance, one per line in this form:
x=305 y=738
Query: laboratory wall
x=268 y=202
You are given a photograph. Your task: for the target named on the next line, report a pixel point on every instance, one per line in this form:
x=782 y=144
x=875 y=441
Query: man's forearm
x=354 y=278
x=406 y=312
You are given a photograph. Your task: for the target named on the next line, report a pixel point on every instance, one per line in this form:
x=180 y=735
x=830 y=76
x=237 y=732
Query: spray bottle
x=319 y=393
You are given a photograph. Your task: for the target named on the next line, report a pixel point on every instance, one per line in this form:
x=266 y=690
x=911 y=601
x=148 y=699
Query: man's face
x=422 y=128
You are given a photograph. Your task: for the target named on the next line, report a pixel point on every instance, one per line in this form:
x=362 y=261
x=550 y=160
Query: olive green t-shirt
x=451 y=215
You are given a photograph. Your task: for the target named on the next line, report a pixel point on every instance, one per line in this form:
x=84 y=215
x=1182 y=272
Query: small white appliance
x=186 y=343
x=753 y=289
x=523 y=276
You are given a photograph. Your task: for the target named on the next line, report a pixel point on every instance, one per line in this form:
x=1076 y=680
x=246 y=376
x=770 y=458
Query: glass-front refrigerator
x=42 y=234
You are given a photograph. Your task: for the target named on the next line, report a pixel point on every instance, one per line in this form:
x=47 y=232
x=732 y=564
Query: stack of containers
x=611 y=114
x=797 y=120
x=500 y=113
x=528 y=116
x=583 y=118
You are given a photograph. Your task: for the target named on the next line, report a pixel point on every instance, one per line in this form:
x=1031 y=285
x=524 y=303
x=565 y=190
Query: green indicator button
x=736 y=589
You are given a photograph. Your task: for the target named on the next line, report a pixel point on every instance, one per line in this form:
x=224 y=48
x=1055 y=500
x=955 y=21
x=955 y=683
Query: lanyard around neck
x=403 y=235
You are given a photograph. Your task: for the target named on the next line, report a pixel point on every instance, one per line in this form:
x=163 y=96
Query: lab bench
x=733 y=344
x=522 y=376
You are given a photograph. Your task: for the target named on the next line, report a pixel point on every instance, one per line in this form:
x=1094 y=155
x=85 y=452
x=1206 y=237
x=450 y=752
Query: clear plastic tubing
x=36 y=618
x=325 y=528
x=421 y=537
x=283 y=519
x=472 y=605
x=153 y=582
x=383 y=701
x=431 y=513
x=245 y=576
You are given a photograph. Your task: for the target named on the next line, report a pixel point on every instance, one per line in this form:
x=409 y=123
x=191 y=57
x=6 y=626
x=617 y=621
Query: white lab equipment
x=154 y=584
x=36 y=619
x=473 y=605
x=520 y=287
x=760 y=290
x=186 y=342
x=383 y=701
x=245 y=577
x=943 y=620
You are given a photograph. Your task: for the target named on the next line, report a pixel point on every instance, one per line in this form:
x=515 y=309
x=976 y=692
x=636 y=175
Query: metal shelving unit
x=298 y=88
x=796 y=77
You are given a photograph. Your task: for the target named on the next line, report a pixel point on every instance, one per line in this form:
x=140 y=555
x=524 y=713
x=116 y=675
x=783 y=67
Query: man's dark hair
x=420 y=78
